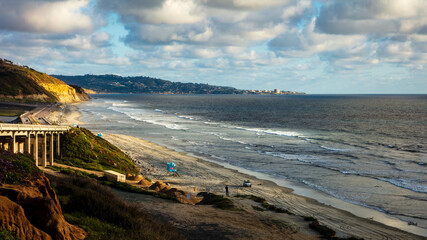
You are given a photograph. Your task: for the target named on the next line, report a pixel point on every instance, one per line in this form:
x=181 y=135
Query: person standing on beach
x=226 y=190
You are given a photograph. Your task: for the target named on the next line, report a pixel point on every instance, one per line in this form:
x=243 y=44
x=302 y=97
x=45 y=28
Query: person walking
x=226 y=190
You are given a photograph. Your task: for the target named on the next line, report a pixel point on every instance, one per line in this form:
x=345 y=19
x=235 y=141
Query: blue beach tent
x=171 y=167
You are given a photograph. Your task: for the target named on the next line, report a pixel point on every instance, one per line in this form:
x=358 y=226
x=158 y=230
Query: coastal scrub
x=15 y=168
x=81 y=148
x=83 y=203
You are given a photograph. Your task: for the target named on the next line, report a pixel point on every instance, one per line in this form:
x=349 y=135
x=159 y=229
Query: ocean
x=368 y=150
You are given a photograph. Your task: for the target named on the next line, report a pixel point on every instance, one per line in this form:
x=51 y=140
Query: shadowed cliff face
x=28 y=204
x=24 y=84
x=33 y=212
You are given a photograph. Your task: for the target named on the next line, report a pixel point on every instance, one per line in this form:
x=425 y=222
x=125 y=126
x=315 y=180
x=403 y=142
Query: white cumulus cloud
x=42 y=16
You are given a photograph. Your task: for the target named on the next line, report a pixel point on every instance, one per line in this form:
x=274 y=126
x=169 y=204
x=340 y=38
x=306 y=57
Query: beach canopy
x=171 y=167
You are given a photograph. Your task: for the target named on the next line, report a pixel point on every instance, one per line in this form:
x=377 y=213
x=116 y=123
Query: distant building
x=277 y=91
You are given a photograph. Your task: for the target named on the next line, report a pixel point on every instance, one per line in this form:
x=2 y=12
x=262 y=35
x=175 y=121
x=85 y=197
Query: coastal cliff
x=29 y=206
x=23 y=84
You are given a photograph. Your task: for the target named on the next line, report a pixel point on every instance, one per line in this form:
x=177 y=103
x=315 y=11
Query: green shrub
x=83 y=201
x=326 y=232
x=258 y=208
x=310 y=219
x=217 y=201
x=16 y=168
x=80 y=148
x=96 y=228
x=252 y=197
x=8 y=235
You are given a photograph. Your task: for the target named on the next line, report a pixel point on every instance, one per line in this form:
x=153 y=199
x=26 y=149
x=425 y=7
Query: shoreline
x=204 y=174
x=153 y=156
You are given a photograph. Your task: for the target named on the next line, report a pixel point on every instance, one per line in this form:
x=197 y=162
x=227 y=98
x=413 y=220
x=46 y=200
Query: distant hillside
x=118 y=84
x=23 y=84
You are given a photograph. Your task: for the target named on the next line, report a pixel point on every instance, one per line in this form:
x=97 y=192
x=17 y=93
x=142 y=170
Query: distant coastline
x=142 y=84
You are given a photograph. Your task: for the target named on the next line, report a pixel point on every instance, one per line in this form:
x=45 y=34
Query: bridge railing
x=30 y=127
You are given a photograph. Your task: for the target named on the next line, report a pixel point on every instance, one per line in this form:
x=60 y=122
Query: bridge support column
x=51 y=154
x=28 y=144
x=13 y=144
x=44 y=150
x=36 y=148
x=58 y=147
x=21 y=146
x=6 y=146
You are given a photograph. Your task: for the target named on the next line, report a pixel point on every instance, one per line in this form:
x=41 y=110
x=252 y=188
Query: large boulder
x=144 y=182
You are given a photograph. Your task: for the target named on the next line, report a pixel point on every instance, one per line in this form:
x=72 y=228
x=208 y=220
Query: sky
x=313 y=46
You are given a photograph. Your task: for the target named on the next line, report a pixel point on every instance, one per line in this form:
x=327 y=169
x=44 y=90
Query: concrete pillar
x=36 y=148
x=13 y=144
x=51 y=154
x=20 y=145
x=28 y=146
x=58 y=146
x=44 y=150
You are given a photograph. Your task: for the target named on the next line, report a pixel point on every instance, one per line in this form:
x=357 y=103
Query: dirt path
x=97 y=173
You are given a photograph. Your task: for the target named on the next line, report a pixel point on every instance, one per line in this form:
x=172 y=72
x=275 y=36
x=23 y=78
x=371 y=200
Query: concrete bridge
x=41 y=141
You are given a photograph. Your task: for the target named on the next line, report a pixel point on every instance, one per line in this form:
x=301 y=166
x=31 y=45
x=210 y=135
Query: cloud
x=245 y=4
x=373 y=17
x=79 y=42
x=217 y=29
x=43 y=16
x=299 y=42
x=308 y=41
x=155 y=12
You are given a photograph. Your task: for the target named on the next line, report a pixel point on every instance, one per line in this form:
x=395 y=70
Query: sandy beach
x=200 y=174
x=70 y=116
x=197 y=175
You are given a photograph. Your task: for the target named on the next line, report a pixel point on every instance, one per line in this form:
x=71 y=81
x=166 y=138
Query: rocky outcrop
x=179 y=195
x=12 y=212
x=23 y=84
x=62 y=92
x=33 y=211
x=81 y=93
x=89 y=91
x=145 y=183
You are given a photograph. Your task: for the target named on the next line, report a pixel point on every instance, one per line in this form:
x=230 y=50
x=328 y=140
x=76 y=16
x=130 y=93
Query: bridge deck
x=31 y=127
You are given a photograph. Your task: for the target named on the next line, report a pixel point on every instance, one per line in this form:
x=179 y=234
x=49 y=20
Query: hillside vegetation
x=140 y=84
x=84 y=204
x=23 y=84
x=80 y=148
x=16 y=168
